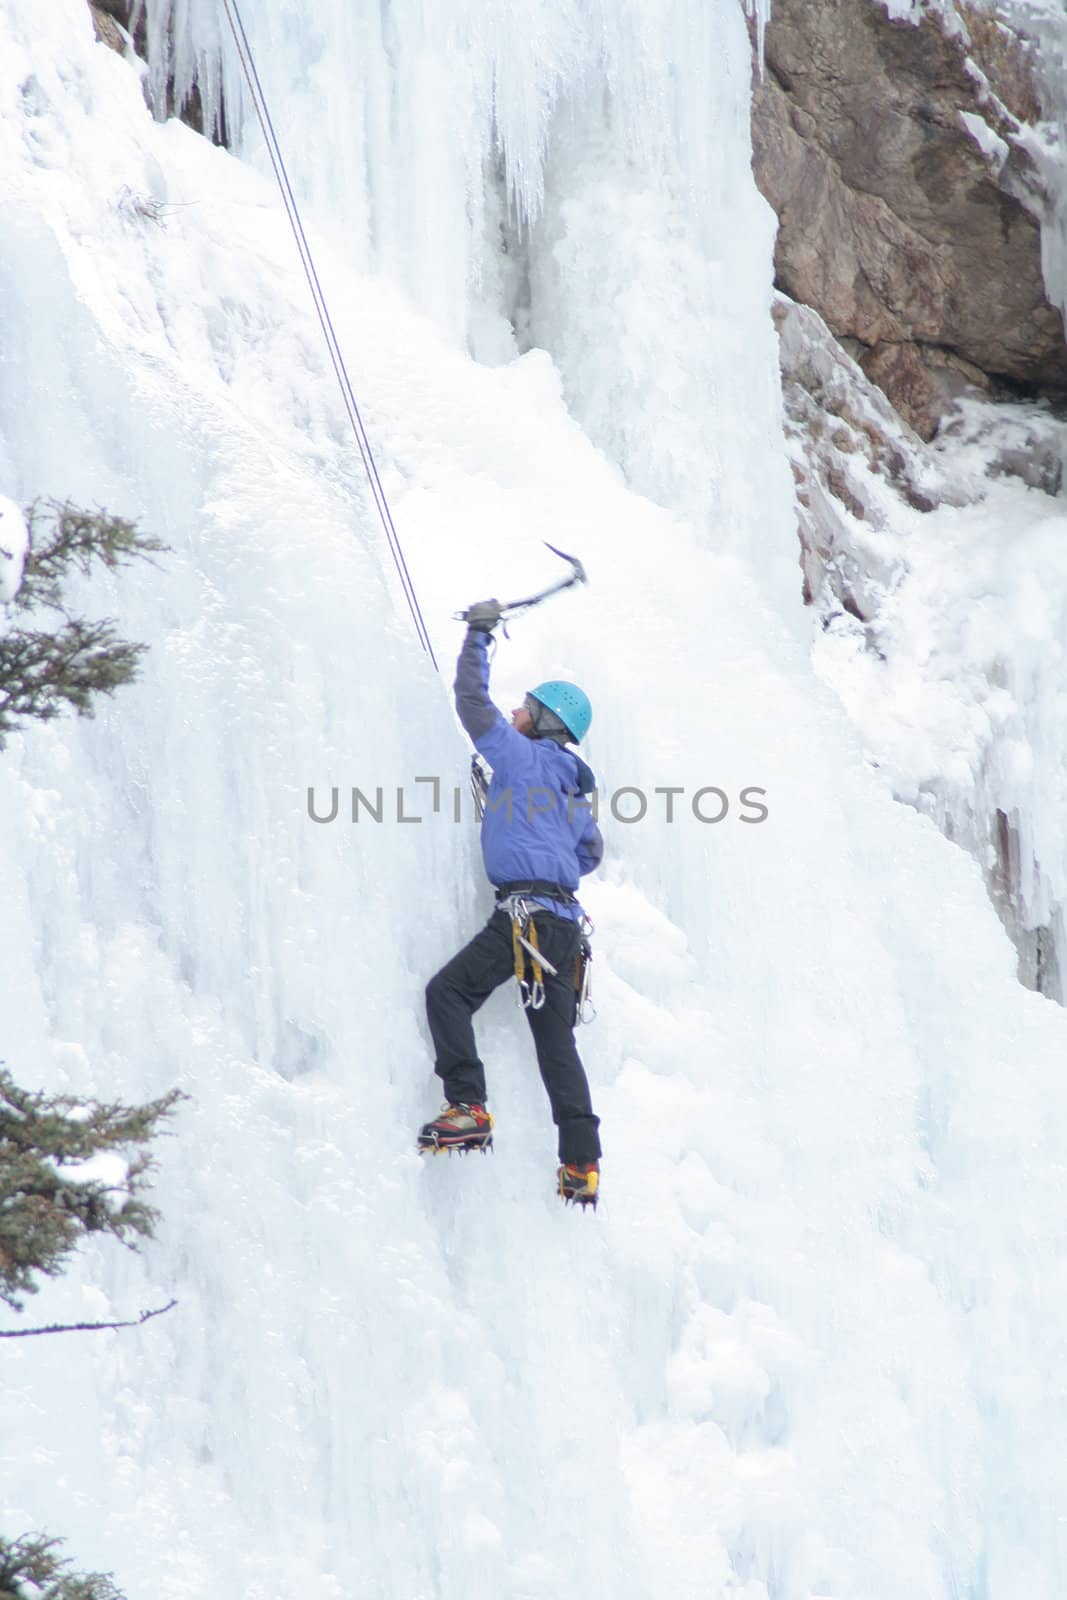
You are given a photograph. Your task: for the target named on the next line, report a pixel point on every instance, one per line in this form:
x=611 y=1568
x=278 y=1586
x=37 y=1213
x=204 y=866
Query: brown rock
x=106 y=29
x=107 y=15
x=899 y=371
x=1007 y=60
x=893 y=223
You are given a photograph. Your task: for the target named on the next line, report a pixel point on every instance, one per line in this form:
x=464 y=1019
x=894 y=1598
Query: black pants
x=465 y=984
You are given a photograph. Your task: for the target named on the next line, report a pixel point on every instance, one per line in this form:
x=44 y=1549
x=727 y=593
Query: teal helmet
x=567 y=702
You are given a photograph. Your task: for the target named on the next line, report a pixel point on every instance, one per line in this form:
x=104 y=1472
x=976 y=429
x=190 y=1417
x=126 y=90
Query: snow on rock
x=938 y=577
x=14 y=542
x=996 y=149
x=972 y=738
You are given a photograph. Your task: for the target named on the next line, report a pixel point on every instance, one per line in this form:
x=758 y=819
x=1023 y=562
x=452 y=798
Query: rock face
x=107 y=30
x=901 y=222
x=118 y=23
x=853 y=462
x=121 y=24
x=924 y=378
x=970 y=737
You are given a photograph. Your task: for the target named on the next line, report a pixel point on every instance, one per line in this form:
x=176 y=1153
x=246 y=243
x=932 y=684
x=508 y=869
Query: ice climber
x=538 y=837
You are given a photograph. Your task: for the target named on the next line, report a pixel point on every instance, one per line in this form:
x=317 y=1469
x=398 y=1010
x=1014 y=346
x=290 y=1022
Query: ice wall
x=544 y=175
x=811 y=1344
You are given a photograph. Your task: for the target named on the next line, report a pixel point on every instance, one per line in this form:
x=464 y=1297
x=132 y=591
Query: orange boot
x=580 y=1184
x=459 y=1127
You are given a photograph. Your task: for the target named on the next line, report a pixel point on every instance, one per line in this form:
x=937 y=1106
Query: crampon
x=580 y=1185
x=459 y=1127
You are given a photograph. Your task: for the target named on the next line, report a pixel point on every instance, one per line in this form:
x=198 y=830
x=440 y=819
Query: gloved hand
x=483 y=616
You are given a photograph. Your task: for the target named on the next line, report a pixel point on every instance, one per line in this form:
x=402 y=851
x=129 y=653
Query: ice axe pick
x=515 y=608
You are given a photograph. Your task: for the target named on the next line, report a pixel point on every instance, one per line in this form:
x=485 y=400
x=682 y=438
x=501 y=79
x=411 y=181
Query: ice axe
x=515 y=608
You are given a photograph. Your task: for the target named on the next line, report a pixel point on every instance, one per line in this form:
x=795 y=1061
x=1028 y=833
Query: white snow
x=811 y=1344
x=986 y=138
x=955 y=679
x=14 y=540
x=105 y=1168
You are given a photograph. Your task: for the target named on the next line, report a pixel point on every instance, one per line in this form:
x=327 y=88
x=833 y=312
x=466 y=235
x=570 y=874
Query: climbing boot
x=579 y=1184
x=459 y=1127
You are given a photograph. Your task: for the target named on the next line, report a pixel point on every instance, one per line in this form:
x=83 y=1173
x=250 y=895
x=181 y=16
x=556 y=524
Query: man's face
x=521 y=720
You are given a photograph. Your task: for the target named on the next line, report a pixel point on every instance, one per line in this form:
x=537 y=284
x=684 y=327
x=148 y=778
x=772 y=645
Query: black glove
x=483 y=616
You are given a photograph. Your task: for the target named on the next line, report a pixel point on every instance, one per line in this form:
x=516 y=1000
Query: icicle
x=760 y=11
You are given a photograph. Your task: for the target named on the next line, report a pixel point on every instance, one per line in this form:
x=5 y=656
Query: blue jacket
x=538 y=820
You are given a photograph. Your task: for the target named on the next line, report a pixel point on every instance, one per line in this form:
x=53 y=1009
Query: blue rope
x=244 y=52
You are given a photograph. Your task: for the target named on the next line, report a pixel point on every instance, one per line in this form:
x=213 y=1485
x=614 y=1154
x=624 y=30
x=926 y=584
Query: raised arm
x=503 y=746
x=476 y=711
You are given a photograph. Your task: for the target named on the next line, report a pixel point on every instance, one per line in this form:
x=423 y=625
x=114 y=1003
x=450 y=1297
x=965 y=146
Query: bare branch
x=85 y=1327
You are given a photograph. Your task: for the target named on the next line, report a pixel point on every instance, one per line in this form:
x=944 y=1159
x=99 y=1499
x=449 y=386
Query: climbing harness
x=511 y=899
x=255 y=89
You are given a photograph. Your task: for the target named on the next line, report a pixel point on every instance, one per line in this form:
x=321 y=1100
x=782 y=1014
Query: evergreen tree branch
x=45 y=673
x=46 y=670
x=74 y=538
x=31 y=1570
x=47 y=1203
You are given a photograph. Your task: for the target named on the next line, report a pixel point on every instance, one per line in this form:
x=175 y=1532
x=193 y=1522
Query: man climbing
x=538 y=837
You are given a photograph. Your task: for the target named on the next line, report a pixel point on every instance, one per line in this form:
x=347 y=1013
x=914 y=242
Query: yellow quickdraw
x=523 y=943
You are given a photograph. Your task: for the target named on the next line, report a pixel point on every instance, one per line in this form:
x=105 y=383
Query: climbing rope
x=255 y=89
